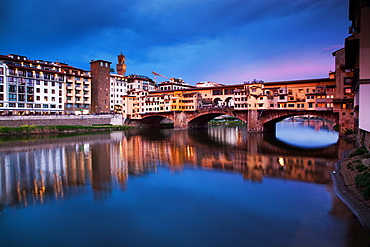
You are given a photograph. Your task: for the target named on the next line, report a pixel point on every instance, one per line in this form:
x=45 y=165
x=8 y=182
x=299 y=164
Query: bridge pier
x=254 y=124
x=180 y=120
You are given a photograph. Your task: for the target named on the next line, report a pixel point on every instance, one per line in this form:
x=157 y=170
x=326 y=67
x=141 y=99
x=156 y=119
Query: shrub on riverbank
x=360 y=151
x=32 y=129
x=362 y=168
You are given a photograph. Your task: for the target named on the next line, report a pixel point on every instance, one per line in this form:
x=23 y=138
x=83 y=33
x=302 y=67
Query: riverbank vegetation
x=361 y=166
x=225 y=120
x=33 y=129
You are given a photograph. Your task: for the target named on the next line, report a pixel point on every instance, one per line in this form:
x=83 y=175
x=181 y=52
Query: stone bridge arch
x=202 y=118
x=155 y=120
x=267 y=119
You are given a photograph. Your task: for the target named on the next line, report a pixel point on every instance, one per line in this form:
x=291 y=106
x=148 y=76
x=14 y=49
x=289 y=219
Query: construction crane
x=157 y=74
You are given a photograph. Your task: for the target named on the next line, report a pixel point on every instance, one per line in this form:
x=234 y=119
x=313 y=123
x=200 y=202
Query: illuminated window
x=12 y=97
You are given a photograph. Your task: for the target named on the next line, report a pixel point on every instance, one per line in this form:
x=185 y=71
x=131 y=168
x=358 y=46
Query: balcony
x=322 y=100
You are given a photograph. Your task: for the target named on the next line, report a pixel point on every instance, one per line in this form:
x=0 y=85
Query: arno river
x=213 y=187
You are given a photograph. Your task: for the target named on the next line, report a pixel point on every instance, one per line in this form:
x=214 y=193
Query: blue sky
x=225 y=41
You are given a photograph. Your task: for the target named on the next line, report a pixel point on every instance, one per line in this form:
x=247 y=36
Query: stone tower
x=100 y=86
x=121 y=66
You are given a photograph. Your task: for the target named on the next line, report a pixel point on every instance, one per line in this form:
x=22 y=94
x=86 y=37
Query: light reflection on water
x=307 y=134
x=215 y=187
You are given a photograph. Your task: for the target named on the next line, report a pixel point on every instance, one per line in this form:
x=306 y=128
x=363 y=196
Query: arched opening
x=218 y=118
x=156 y=121
x=217 y=102
x=306 y=131
x=229 y=102
x=270 y=125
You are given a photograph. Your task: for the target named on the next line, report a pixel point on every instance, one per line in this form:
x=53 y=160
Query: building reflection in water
x=32 y=172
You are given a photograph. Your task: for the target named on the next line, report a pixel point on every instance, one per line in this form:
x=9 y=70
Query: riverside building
x=356 y=59
x=42 y=87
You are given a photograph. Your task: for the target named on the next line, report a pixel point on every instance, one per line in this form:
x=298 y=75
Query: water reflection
x=316 y=134
x=54 y=169
x=29 y=171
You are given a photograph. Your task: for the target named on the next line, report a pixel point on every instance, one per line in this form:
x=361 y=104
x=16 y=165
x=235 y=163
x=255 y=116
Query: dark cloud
x=191 y=38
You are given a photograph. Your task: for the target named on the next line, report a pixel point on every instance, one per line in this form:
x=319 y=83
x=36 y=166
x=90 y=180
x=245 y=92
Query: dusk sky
x=225 y=41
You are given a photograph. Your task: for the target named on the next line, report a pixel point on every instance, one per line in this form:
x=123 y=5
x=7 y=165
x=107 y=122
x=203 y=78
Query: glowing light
x=281 y=161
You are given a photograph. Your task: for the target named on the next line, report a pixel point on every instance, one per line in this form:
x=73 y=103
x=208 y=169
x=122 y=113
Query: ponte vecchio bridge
x=260 y=105
x=257 y=120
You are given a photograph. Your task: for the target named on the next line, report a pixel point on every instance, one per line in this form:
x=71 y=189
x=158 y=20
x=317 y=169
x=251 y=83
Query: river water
x=212 y=187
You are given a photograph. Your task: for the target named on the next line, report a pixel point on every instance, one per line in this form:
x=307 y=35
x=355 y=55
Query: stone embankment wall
x=363 y=137
x=84 y=120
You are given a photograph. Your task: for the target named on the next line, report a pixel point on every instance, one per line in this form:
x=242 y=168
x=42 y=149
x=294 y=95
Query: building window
x=12 y=97
x=21 y=97
x=229 y=91
x=347 y=81
x=12 y=88
x=30 y=98
x=347 y=90
x=216 y=92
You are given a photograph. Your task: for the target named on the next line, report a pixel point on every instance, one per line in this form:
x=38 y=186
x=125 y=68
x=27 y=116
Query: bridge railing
x=217 y=109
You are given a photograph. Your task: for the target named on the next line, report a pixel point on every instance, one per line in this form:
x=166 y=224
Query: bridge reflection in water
x=31 y=172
